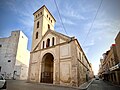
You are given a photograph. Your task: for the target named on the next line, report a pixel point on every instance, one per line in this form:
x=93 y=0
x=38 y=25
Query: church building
x=56 y=58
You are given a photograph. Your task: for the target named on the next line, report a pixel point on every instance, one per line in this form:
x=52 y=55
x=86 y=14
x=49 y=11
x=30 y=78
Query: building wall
x=46 y=21
x=13 y=50
x=109 y=61
x=22 y=57
x=8 y=54
x=60 y=59
x=65 y=65
x=85 y=72
x=117 y=41
x=23 y=54
x=39 y=30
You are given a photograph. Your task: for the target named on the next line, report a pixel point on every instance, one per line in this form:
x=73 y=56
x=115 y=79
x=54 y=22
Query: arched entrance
x=47 y=68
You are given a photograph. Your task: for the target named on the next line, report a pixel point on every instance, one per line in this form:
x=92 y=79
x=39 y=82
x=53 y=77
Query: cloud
x=67 y=21
x=90 y=43
x=87 y=46
x=103 y=27
x=70 y=12
x=24 y=13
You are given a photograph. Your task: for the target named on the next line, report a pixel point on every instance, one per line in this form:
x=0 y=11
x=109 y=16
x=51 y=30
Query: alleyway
x=101 y=85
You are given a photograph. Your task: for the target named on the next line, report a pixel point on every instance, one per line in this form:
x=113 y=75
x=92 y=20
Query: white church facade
x=56 y=58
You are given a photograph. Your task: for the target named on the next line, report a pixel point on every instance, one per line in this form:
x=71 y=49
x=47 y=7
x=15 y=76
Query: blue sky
x=77 y=16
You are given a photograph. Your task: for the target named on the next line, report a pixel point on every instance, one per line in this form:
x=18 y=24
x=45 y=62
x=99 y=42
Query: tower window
x=0 y=68
x=0 y=45
x=52 y=41
x=36 y=16
x=41 y=13
x=43 y=44
x=79 y=55
x=48 y=26
x=36 y=35
x=38 y=24
x=51 y=21
x=48 y=42
x=47 y=16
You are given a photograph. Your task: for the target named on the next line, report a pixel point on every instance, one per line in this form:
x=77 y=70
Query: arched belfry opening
x=47 y=68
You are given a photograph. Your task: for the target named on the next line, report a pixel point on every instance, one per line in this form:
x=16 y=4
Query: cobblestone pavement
x=22 y=85
x=102 y=85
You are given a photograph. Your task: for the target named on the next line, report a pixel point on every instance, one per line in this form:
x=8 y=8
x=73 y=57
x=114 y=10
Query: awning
x=115 y=67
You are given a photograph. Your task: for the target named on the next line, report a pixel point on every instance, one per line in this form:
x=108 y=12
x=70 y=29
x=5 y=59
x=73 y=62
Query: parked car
x=96 y=78
x=2 y=82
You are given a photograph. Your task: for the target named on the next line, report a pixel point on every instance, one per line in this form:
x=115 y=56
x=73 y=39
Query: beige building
x=56 y=58
x=14 y=56
x=117 y=41
x=100 y=68
x=109 y=66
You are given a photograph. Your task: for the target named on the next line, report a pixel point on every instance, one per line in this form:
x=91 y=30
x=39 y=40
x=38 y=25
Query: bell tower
x=43 y=21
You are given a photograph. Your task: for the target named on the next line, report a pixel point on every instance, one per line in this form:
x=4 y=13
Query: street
x=22 y=85
x=101 y=85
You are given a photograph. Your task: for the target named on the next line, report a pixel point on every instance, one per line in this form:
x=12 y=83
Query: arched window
x=38 y=24
x=48 y=42
x=48 y=26
x=53 y=41
x=41 y=13
x=36 y=35
x=43 y=44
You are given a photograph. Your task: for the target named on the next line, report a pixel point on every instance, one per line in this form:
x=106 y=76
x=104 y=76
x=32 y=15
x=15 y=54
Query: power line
x=60 y=17
x=93 y=22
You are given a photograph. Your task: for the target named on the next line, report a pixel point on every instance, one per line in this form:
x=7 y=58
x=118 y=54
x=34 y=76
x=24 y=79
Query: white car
x=2 y=82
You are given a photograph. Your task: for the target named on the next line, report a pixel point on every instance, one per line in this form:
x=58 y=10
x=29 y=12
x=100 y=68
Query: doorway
x=47 y=68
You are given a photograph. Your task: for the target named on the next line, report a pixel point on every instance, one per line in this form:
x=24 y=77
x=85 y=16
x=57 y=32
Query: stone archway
x=47 y=68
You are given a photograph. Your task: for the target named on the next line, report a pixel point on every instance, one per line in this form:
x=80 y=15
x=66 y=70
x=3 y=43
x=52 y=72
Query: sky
x=77 y=17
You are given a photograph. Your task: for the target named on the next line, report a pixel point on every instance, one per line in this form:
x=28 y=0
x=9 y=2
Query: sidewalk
x=86 y=85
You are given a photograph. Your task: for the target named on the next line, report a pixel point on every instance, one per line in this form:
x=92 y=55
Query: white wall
x=13 y=48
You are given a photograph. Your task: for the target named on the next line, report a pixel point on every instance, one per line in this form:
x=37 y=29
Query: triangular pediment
x=54 y=33
x=49 y=34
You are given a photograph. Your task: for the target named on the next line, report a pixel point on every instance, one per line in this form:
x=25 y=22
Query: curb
x=86 y=87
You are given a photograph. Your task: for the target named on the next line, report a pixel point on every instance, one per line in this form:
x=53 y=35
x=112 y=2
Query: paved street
x=101 y=85
x=22 y=85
